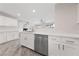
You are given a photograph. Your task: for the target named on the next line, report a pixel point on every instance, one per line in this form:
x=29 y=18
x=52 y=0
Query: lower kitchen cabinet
x=59 y=46
x=12 y=36
x=27 y=40
x=36 y=42
x=70 y=50
x=3 y=37
x=70 y=47
x=8 y=36
x=54 y=48
x=50 y=45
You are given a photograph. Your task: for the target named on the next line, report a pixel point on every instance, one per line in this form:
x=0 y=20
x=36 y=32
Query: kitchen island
x=50 y=43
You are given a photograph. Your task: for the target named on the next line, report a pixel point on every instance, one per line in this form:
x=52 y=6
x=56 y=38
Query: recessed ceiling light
x=33 y=10
x=18 y=14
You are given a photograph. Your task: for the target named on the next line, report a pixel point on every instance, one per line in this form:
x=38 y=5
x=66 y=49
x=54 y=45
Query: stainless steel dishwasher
x=41 y=44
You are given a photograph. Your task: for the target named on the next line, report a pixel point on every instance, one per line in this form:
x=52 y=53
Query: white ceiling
x=43 y=10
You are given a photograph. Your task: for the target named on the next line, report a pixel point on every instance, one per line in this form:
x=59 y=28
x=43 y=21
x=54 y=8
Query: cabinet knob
x=63 y=47
x=59 y=46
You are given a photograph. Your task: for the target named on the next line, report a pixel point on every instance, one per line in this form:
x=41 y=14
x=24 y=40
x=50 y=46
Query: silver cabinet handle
x=70 y=41
x=63 y=47
x=59 y=46
x=40 y=37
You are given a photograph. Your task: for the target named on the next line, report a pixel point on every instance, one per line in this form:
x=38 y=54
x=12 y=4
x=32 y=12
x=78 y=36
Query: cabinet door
x=12 y=35
x=9 y=36
x=54 y=48
x=27 y=39
x=15 y=35
x=3 y=37
x=70 y=47
x=70 y=50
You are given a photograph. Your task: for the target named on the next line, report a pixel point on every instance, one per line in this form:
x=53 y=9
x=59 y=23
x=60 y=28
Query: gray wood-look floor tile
x=13 y=48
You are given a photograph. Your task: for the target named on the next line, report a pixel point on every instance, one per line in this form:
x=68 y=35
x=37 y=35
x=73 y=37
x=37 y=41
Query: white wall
x=20 y=25
x=7 y=21
x=43 y=10
x=8 y=24
x=66 y=18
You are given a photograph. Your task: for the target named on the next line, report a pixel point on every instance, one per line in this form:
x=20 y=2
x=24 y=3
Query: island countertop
x=55 y=34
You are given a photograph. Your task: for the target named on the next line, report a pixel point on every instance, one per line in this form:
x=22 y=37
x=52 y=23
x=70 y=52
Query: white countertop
x=57 y=34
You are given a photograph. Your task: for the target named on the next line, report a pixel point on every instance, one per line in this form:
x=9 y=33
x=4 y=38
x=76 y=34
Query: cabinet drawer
x=70 y=41
x=54 y=38
x=12 y=35
x=3 y=37
x=27 y=35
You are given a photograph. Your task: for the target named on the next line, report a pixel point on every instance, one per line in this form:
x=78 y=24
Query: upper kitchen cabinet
x=7 y=20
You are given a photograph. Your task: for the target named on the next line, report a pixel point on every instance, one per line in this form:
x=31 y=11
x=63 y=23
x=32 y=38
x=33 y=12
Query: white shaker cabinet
x=12 y=35
x=53 y=49
x=27 y=39
x=63 y=46
x=70 y=47
x=57 y=45
x=54 y=46
x=3 y=37
x=69 y=51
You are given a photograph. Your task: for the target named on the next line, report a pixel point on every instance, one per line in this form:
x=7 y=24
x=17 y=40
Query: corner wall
x=66 y=18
